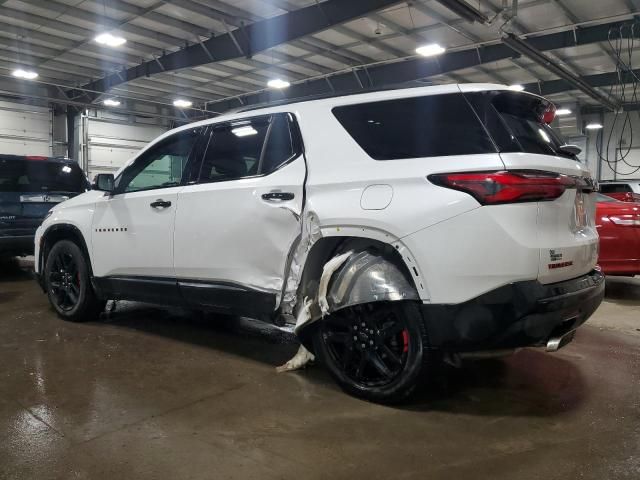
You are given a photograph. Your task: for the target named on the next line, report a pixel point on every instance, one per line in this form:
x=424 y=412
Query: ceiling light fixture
x=109 y=102
x=182 y=103
x=430 y=50
x=516 y=88
x=110 y=40
x=244 y=131
x=593 y=126
x=25 y=74
x=278 y=83
x=563 y=111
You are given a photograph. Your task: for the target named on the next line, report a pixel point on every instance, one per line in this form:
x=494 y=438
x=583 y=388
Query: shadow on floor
x=623 y=290
x=13 y=269
x=530 y=382
x=240 y=336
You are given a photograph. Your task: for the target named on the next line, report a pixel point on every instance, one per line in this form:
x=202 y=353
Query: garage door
x=24 y=129
x=111 y=145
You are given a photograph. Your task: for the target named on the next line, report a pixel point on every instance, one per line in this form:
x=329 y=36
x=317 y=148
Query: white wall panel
x=25 y=129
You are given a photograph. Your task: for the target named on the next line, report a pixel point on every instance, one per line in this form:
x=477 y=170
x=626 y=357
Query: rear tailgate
x=22 y=212
x=566 y=237
x=566 y=232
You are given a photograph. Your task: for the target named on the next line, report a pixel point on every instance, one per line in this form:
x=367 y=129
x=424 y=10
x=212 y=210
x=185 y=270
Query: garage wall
x=25 y=129
x=597 y=147
x=107 y=141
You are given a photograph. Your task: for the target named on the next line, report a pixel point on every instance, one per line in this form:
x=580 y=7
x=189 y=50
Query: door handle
x=278 y=196
x=160 y=204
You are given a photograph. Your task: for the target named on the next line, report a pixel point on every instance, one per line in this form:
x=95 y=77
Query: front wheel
x=376 y=351
x=67 y=282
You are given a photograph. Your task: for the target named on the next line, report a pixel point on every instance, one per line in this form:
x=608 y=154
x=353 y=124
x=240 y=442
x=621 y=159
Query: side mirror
x=104 y=182
x=570 y=149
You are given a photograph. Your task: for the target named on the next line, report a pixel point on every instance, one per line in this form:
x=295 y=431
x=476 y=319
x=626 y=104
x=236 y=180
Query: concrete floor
x=149 y=393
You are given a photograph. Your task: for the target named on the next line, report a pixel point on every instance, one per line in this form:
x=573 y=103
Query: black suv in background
x=29 y=187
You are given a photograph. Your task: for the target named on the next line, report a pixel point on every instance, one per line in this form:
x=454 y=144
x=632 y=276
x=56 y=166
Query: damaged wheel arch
x=367 y=271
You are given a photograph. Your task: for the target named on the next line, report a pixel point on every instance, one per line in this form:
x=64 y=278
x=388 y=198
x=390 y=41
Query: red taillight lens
x=631 y=220
x=492 y=188
x=36 y=157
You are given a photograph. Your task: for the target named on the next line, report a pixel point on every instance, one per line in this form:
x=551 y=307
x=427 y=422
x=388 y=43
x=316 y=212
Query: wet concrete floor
x=154 y=394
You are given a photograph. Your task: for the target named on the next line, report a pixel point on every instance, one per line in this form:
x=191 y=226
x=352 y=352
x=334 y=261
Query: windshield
x=18 y=175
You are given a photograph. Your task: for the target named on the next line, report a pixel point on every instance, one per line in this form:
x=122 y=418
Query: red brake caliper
x=405 y=341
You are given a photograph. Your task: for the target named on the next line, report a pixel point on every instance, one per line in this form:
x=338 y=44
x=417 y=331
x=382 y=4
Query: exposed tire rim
x=64 y=281
x=374 y=351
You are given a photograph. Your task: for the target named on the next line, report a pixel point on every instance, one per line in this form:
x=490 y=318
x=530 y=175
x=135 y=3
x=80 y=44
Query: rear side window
x=429 y=126
x=246 y=148
x=514 y=121
x=40 y=175
x=615 y=188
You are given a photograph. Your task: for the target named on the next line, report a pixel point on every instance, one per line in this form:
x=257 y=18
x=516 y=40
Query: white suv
x=383 y=226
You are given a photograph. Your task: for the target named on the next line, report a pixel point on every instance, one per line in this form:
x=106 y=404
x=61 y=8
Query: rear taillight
x=631 y=220
x=492 y=188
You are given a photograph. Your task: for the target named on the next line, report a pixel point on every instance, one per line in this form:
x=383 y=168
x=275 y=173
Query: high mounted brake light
x=549 y=114
x=493 y=188
x=36 y=157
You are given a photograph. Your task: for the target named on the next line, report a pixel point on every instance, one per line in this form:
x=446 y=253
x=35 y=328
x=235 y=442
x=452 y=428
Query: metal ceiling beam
x=524 y=48
x=253 y=38
x=464 y=10
x=395 y=73
x=599 y=80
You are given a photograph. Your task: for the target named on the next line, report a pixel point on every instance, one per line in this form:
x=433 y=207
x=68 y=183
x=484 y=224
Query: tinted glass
x=615 y=188
x=234 y=150
x=279 y=147
x=604 y=198
x=41 y=175
x=513 y=120
x=428 y=126
x=161 y=166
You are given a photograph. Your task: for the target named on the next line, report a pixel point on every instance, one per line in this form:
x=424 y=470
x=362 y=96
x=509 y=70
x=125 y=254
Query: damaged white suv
x=382 y=227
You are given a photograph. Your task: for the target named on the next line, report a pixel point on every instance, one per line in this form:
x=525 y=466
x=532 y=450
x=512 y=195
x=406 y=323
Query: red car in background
x=618 y=224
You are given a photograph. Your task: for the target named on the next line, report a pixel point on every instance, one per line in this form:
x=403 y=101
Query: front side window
x=247 y=148
x=429 y=126
x=161 y=166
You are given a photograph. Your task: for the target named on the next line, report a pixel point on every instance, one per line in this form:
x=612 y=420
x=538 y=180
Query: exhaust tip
x=556 y=343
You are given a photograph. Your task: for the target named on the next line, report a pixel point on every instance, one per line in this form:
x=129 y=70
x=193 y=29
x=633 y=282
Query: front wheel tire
x=68 y=284
x=376 y=351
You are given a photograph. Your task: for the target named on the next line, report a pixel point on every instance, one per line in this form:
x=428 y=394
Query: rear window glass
x=40 y=175
x=430 y=126
x=513 y=120
x=615 y=188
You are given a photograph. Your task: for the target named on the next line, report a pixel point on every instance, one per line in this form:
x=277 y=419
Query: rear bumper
x=16 y=245
x=521 y=314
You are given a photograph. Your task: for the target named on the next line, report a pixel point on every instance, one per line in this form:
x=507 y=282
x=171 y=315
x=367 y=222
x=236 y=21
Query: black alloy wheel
x=375 y=351
x=64 y=281
x=67 y=282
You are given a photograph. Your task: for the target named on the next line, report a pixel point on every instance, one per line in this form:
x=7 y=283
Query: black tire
x=68 y=284
x=376 y=351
